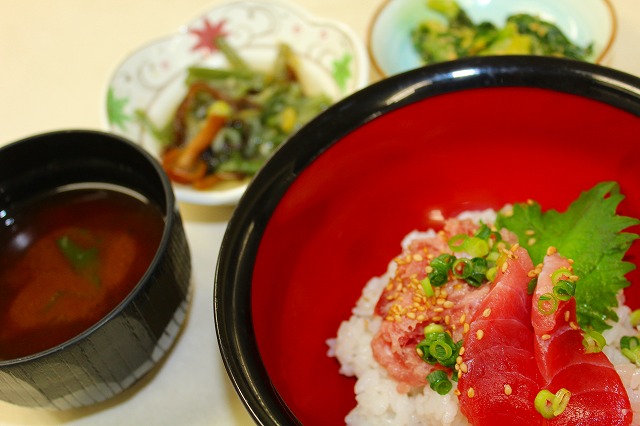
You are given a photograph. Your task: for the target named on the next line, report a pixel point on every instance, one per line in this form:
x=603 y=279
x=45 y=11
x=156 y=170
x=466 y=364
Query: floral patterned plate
x=333 y=60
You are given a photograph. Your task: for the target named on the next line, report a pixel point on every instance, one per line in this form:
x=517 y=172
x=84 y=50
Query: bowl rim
x=231 y=195
x=600 y=59
x=169 y=223
x=241 y=241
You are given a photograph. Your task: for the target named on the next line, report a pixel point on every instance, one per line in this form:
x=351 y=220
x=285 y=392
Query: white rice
x=629 y=373
x=378 y=402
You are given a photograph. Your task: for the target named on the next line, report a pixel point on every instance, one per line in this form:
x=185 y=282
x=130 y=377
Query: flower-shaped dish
x=332 y=60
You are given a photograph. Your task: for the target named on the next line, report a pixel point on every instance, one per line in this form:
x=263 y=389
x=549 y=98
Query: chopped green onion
x=629 y=342
x=630 y=348
x=438 y=279
x=471 y=270
x=531 y=287
x=461 y=268
x=491 y=273
x=564 y=290
x=547 y=304
x=443 y=262
x=438 y=347
x=632 y=355
x=476 y=247
x=560 y=401
x=496 y=236
x=550 y=405
x=439 y=382
x=544 y=403
x=440 y=350
x=558 y=274
x=502 y=258
x=427 y=287
x=478 y=272
x=457 y=242
x=441 y=266
x=493 y=256
x=635 y=317
x=433 y=328
x=593 y=342
x=484 y=232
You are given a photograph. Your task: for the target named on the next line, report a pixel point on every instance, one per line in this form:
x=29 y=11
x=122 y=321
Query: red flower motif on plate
x=208 y=34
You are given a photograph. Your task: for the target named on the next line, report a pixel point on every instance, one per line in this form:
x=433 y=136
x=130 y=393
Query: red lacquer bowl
x=329 y=210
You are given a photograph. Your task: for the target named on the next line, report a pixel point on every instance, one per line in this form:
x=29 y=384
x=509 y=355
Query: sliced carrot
x=183 y=164
x=179 y=174
x=200 y=142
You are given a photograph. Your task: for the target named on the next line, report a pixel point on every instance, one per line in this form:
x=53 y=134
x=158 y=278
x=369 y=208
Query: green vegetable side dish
x=455 y=36
x=231 y=120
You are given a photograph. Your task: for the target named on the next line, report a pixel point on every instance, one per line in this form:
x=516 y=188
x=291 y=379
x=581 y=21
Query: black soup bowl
x=95 y=269
x=329 y=210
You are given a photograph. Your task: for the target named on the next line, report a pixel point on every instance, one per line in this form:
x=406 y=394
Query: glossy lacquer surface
x=330 y=210
x=134 y=337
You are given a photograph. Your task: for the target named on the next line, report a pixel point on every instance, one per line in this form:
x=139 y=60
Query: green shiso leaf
x=590 y=233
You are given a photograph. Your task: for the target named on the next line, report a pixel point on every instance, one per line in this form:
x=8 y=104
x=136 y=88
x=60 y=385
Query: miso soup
x=69 y=258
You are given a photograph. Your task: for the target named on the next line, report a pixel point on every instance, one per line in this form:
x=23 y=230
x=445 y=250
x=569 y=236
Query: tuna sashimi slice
x=502 y=378
x=597 y=394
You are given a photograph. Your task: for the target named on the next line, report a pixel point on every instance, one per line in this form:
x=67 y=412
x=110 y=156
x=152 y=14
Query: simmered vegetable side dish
x=456 y=36
x=231 y=120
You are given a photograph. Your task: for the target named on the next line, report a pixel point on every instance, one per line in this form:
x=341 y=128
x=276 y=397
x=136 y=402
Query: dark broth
x=69 y=258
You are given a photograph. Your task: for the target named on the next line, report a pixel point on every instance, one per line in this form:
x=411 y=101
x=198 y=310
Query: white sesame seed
x=507 y=389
